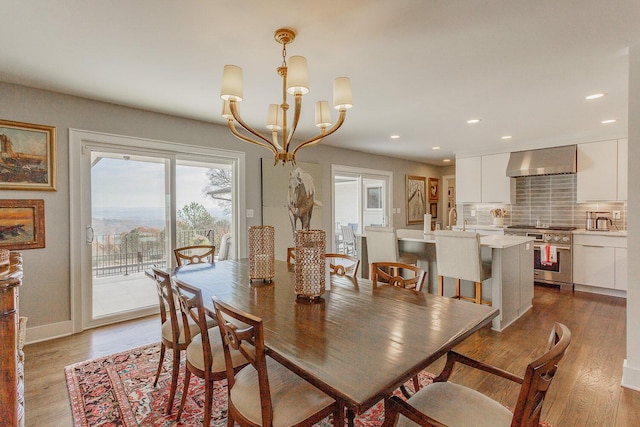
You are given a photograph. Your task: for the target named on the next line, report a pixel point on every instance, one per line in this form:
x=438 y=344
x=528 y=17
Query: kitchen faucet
x=464 y=225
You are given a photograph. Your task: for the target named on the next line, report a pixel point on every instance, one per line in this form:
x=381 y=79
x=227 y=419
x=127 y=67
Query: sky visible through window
x=125 y=188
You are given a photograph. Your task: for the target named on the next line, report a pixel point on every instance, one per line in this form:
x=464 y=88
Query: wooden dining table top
x=359 y=342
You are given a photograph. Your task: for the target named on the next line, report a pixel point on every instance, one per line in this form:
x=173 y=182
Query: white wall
x=631 y=371
x=45 y=294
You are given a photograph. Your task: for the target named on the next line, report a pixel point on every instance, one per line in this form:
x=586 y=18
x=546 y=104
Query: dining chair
x=265 y=393
x=382 y=246
x=225 y=247
x=348 y=240
x=172 y=330
x=458 y=255
x=343 y=265
x=447 y=403
x=291 y=256
x=387 y=273
x=194 y=254
x=204 y=355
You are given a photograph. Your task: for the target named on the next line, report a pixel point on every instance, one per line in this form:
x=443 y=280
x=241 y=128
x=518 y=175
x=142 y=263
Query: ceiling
x=419 y=68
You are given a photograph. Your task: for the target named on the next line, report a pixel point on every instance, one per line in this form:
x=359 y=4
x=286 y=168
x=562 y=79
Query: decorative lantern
x=261 y=252
x=310 y=267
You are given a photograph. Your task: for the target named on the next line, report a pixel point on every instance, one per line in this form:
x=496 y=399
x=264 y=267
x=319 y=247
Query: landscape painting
x=27 y=156
x=21 y=224
x=416 y=199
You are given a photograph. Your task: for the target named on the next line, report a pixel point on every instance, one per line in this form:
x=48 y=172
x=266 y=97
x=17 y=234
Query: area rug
x=117 y=390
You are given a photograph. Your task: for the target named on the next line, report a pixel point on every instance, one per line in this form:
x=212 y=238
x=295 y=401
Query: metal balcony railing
x=124 y=254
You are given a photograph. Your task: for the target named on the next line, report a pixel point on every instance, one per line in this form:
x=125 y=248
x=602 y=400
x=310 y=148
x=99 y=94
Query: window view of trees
x=130 y=243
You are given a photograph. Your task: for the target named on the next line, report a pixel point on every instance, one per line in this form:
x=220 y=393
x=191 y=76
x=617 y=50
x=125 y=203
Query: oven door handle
x=560 y=248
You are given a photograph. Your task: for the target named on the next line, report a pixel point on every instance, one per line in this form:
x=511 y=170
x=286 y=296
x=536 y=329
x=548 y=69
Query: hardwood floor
x=585 y=392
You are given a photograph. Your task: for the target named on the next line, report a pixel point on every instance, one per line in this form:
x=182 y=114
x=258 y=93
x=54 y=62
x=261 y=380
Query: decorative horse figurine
x=301 y=199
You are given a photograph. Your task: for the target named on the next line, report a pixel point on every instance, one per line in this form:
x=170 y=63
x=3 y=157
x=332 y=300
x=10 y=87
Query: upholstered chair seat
x=293 y=399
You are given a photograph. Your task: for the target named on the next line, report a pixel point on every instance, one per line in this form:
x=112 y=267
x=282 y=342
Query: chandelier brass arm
x=318 y=139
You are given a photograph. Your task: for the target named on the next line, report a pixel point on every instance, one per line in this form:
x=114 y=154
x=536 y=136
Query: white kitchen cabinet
x=623 y=167
x=621 y=269
x=597 y=177
x=497 y=187
x=483 y=179
x=469 y=180
x=600 y=261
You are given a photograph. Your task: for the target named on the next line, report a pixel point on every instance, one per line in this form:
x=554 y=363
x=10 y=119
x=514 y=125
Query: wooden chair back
x=194 y=254
x=191 y=304
x=390 y=273
x=168 y=302
x=343 y=264
x=248 y=339
x=291 y=255
x=538 y=377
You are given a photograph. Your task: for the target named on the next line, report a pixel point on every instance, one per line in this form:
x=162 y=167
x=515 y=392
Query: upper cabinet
x=483 y=179
x=469 y=180
x=599 y=177
x=623 y=166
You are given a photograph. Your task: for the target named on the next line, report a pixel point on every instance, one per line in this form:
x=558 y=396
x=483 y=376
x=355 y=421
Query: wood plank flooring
x=585 y=392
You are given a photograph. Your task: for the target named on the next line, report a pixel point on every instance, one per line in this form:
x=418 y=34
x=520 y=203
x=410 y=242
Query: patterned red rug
x=117 y=390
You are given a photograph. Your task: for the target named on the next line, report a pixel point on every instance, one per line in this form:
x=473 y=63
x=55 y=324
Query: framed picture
x=433 y=210
x=434 y=189
x=416 y=199
x=28 y=156
x=21 y=224
x=374 y=197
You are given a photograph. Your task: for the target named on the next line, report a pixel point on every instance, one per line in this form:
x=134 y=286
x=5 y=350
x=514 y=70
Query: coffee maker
x=599 y=221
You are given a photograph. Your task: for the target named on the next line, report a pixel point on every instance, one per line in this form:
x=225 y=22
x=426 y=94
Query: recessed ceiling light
x=446 y=160
x=594 y=96
x=435 y=148
x=473 y=121
x=608 y=121
x=395 y=136
x=506 y=137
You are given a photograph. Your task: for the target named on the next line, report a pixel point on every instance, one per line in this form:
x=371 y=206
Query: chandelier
x=295 y=81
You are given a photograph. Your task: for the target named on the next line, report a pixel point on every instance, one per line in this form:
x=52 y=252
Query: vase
x=498 y=221
x=310 y=267
x=261 y=252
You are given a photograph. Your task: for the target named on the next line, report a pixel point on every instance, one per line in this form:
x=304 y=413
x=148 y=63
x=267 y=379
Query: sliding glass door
x=136 y=202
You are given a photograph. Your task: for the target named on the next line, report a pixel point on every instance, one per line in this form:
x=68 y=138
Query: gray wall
x=45 y=295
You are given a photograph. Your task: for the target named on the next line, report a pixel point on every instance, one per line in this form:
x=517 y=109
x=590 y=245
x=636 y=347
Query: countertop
x=491 y=241
x=610 y=233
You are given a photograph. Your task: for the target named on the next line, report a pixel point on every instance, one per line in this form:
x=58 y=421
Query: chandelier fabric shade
x=295 y=78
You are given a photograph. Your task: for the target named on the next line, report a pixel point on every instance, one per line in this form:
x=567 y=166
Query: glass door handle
x=89 y=235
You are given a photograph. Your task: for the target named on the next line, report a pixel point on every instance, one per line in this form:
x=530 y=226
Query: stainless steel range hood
x=545 y=161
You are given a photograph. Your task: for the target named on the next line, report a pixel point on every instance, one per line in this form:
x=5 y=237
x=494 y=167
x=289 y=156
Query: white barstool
x=382 y=246
x=458 y=256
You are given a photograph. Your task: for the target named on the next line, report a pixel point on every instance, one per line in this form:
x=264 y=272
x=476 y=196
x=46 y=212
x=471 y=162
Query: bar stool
x=382 y=246
x=458 y=256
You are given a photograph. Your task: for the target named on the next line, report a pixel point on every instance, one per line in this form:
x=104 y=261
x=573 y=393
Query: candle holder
x=310 y=267
x=261 y=253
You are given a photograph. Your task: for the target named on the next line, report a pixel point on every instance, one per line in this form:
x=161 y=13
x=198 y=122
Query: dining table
x=357 y=342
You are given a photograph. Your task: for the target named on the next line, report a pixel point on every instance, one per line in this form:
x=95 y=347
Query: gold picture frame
x=416 y=199
x=28 y=156
x=434 y=189
x=22 y=224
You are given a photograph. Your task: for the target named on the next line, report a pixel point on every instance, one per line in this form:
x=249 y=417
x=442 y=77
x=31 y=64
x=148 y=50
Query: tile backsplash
x=552 y=198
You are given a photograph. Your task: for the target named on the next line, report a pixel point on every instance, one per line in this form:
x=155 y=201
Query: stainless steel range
x=556 y=272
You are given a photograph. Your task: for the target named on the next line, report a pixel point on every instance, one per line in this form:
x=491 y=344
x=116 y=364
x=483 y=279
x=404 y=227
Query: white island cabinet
x=511 y=285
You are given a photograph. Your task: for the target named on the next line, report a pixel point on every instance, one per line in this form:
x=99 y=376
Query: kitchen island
x=510 y=287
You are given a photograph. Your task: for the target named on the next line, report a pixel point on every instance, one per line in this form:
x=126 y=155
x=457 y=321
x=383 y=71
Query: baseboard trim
x=630 y=376
x=48 y=332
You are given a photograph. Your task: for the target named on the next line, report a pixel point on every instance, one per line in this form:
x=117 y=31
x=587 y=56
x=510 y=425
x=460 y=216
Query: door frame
x=80 y=214
x=367 y=173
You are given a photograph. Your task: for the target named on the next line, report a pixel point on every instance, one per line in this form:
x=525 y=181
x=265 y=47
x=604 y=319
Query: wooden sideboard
x=11 y=367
